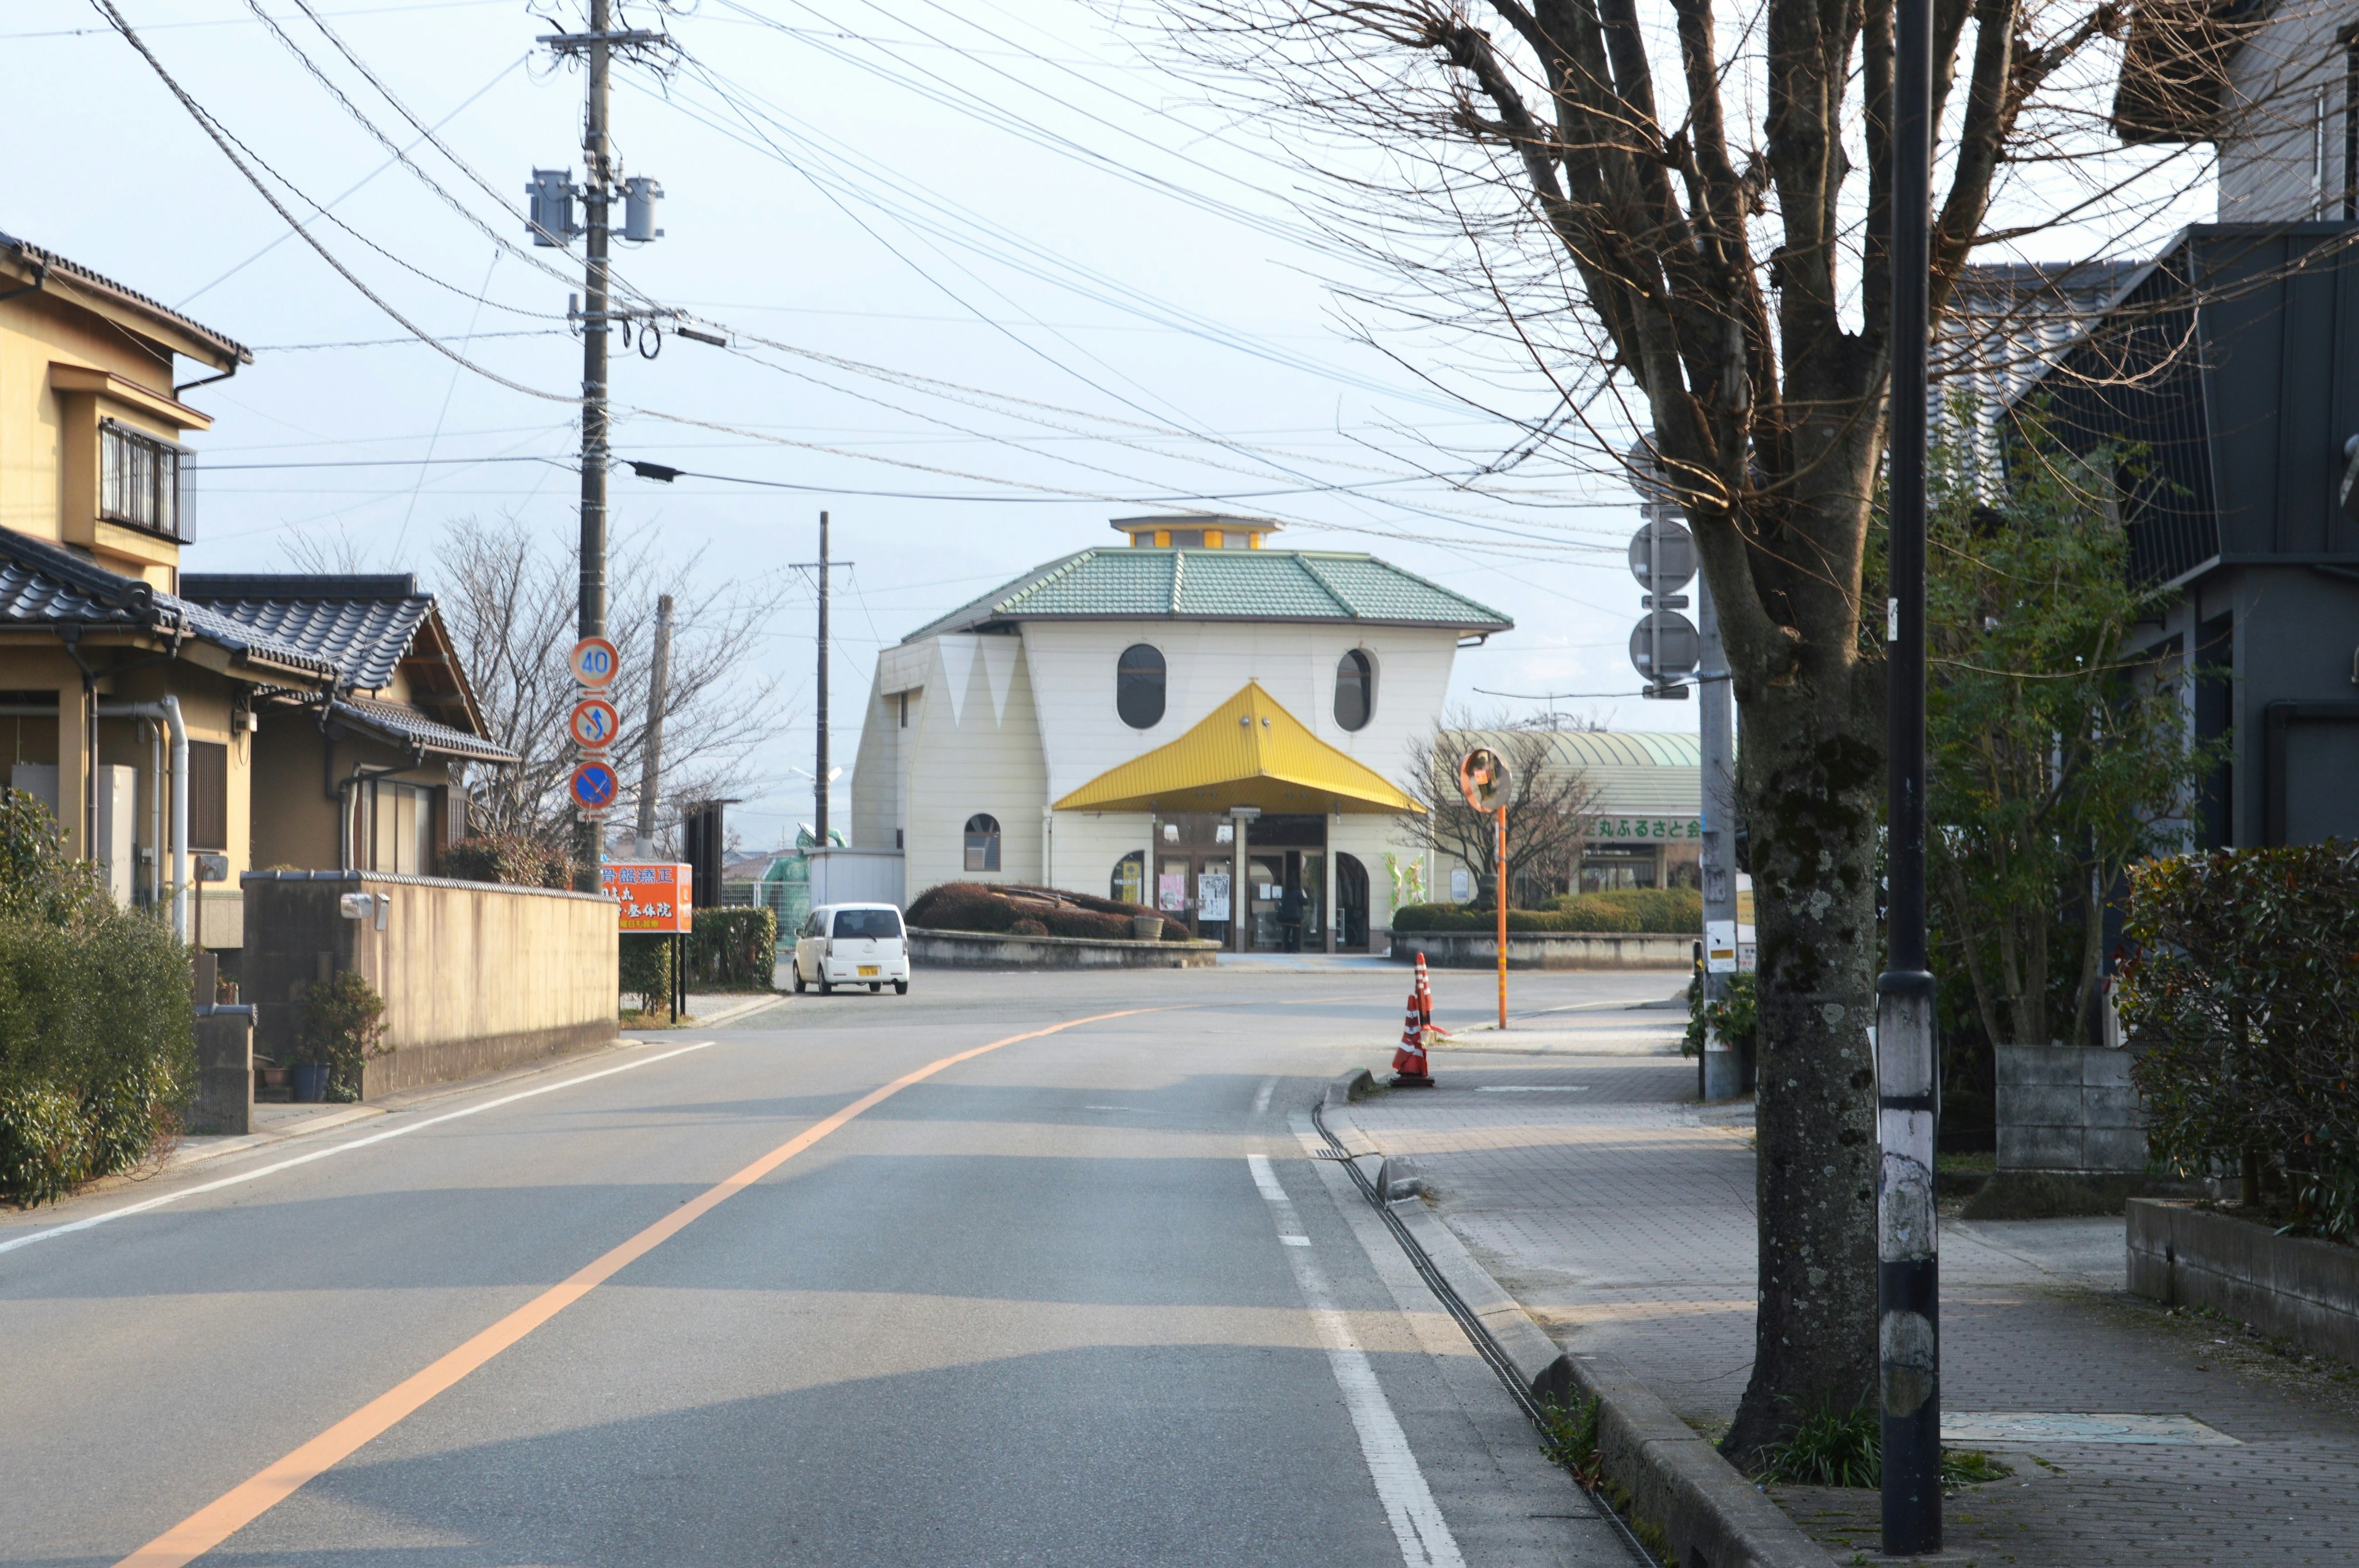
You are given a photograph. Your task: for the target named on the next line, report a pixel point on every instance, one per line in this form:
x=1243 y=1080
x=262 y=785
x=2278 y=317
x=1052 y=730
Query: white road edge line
x=1418 y=1525
x=213 y=1186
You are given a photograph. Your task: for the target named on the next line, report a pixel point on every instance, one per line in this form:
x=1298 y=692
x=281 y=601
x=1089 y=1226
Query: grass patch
x=1845 y=1448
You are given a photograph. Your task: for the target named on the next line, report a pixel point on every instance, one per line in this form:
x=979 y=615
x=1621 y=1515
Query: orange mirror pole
x=1499 y=858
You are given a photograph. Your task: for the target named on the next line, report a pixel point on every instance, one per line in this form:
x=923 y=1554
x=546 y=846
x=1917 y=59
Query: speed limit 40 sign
x=593 y=664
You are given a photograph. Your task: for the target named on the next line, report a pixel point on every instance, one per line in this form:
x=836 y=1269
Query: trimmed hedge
x=734 y=949
x=646 y=964
x=507 y=858
x=1649 y=909
x=97 y=1046
x=2243 y=1000
x=1022 y=911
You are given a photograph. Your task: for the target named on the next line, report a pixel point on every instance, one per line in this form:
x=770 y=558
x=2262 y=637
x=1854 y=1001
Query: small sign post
x=593 y=786
x=658 y=897
x=593 y=724
x=1483 y=777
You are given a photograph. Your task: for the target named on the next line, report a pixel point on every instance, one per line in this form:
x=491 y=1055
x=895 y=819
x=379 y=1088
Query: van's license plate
x=868 y=970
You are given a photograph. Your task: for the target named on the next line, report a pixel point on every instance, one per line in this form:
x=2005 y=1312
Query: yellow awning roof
x=1249 y=751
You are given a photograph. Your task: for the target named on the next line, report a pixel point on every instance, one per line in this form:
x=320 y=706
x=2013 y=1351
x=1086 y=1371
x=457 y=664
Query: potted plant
x=343 y=1027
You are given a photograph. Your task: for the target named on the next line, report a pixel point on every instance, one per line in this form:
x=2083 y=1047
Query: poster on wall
x=1171 y=892
x=1212 y=895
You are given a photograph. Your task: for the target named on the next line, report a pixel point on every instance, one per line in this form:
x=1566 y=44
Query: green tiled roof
x=1124 y=584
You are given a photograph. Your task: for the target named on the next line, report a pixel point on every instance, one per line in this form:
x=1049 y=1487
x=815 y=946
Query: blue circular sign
x=593 y=787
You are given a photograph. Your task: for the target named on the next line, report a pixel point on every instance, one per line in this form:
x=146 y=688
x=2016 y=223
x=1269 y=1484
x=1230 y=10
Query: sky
x=990 y=277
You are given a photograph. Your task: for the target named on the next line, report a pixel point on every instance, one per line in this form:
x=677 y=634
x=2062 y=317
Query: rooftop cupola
x=1196 y=531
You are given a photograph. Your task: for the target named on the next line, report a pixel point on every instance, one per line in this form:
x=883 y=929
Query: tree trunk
x=1811 y=788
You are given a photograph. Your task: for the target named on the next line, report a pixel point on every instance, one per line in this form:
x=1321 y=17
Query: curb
x=1713 y=1517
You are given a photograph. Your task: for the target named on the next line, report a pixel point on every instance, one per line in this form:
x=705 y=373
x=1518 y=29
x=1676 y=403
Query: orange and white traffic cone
x=1410 y=1066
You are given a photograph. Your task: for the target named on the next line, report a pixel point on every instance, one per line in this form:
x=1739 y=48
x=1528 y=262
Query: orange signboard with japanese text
x=655 y=895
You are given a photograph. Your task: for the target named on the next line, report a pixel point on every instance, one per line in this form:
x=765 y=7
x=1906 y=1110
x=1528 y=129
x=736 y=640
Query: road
x=1079 y=1297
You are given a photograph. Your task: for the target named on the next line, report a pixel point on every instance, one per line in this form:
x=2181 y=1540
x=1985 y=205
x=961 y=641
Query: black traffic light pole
x=1908 y=1282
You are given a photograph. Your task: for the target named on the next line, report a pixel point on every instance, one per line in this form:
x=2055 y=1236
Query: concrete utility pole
x=1716 y=708
x=597 y=173
x=819 y=767
x=651 y=760
x=1908 y=1087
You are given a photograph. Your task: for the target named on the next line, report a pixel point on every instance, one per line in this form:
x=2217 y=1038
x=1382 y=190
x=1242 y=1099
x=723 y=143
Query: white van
x=853 y=945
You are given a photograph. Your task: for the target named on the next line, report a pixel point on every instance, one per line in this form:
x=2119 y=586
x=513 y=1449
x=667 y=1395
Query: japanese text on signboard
x=653 y=896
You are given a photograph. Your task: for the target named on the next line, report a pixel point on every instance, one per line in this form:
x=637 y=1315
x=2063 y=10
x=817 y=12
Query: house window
x=401 y=828
x=1356 y=690
x=1138 y=686
x=982 y=843
x=139 y=480
x=208 y=795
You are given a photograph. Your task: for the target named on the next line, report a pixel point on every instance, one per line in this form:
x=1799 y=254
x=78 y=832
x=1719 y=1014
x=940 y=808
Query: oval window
x=1138 y=686
x=1356 y=690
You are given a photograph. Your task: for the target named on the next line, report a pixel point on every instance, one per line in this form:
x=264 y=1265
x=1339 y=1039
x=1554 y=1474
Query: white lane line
x=1418 y=1525
x=1261 y=1100
x=257 y=1174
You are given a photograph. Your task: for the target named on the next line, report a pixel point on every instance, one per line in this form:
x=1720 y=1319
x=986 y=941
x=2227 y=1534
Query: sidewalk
x=1620 y=1215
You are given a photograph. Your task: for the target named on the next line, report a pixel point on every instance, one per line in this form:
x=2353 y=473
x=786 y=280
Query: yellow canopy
x=1249 y=751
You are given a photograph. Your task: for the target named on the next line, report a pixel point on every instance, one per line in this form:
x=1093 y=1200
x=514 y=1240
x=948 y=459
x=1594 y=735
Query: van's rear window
x=882 y=924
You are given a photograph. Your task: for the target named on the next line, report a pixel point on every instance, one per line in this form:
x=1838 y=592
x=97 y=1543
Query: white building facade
x=1189 y=720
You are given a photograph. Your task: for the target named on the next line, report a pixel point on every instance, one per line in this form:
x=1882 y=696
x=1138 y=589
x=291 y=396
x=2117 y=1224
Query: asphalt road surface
x=1076 y=1296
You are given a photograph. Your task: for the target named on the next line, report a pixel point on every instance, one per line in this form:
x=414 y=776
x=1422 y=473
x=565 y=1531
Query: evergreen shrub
x=999 y=907
x=646 y=963
x=734 y=948
x=343 y=1026
x=2242 y=1001
x=510 y=859
x=97 y=1046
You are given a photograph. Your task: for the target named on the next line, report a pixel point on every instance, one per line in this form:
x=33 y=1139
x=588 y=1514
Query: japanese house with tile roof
x=1188 y=720
x=323 y=715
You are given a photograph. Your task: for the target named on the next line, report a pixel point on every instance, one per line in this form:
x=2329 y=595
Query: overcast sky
x=1064 y=287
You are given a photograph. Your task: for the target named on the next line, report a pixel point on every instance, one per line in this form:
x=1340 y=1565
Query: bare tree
x=1582 y=189
x=509 y=600
x=1551 y=807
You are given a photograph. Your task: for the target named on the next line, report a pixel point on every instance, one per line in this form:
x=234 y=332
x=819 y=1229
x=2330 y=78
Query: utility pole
x=1715 y=704
x=1907 y=1089
x=819 y=767
x=552 y=223
x=651 y=760
x=825 y=567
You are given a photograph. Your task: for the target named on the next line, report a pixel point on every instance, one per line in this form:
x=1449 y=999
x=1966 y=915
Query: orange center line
x=250 y=1499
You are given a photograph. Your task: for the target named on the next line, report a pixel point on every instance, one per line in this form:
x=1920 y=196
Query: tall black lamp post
x=1908 y=1283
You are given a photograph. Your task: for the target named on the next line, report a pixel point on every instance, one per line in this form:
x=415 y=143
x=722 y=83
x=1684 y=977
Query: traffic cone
x=1410 y=1067
x=1424 y=995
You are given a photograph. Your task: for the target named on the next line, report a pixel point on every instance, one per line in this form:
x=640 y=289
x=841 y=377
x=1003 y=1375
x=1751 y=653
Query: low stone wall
x=2293 y=1286
x=994 y=950
x=1548 y=950
x=476 y=976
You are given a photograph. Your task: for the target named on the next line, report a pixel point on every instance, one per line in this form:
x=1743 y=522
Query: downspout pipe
x=167 y=712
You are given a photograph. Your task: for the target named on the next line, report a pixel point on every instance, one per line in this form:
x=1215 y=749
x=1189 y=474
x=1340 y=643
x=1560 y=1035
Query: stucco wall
x=474 y=977
x=972 y=746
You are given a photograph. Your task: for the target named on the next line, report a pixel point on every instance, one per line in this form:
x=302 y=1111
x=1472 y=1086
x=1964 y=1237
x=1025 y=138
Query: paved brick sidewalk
x=1622 y=1217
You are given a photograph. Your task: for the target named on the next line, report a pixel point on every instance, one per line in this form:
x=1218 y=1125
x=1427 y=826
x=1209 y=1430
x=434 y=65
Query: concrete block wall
x=2069 y=1107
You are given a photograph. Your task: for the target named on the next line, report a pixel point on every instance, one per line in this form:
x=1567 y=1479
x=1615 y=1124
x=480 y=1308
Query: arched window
x=982 y=843
x=1129 y=882
x=1138 y=686
x=1356 y=690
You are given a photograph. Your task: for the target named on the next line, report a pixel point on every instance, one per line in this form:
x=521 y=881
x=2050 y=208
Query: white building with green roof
x=1189 y=720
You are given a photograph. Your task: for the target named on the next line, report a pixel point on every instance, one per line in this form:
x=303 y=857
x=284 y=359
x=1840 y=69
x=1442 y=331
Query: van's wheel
x=826 y=987
x=798 y=979
x=900 y=988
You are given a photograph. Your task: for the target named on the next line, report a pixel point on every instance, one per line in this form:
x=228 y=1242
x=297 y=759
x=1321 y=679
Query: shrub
x=734 y=947
x=1027 y=926
x=510 y=859
x=1652 y=910
x=2243 y=1000
x=1735 y=1017
x=344 y=1025
x=96 y=1044
x=978 y=906
x=646 y=964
